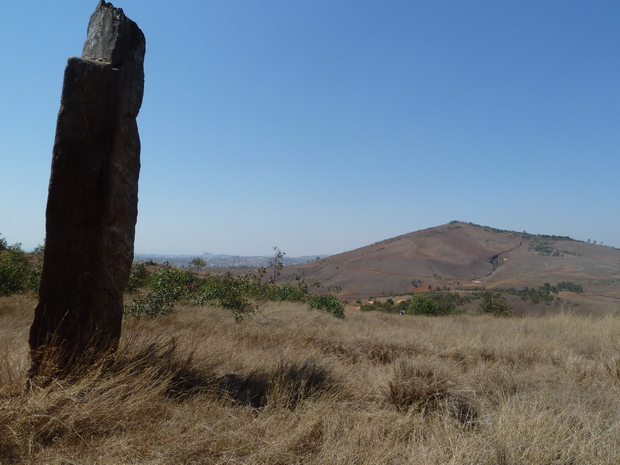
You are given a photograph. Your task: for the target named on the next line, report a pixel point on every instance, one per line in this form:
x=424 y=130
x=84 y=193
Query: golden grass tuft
x=421 y=388
x=291 y=386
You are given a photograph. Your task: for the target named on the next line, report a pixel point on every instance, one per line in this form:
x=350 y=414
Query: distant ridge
x=222 y=260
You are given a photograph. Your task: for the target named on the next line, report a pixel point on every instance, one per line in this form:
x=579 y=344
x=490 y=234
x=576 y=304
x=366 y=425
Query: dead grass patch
x=291 y=386
x=422 y=388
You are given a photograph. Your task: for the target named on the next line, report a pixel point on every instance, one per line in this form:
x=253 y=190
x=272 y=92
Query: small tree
x=422 y=304
x=197 y=264
x=495 y=304
x=276 y=263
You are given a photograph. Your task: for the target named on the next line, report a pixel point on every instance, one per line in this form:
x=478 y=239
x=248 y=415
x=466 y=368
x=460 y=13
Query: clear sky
x=322 y=126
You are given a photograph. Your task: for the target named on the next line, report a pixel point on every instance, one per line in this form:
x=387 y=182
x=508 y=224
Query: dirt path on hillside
x=521 y=283
x=389 y=274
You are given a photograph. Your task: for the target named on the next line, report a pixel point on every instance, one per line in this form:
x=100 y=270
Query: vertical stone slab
x=92 y=203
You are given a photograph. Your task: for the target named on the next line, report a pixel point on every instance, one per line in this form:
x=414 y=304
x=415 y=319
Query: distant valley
x=223 y=261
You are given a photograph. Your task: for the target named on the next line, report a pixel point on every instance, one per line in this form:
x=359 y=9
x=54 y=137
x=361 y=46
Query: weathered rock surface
x=93 y=194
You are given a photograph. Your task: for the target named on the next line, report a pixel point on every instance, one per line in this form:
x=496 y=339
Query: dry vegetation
x=291 y=385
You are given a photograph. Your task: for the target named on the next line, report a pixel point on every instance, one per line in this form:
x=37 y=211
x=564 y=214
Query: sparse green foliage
x=422 y=304
x=495 y=304
x=542 y=294
x=18 y=273
x=172 y=281
x=137 y=278
x=168 y=285
x=328 y=303
x=543 y=248
x=425 y=303
x=152 y=304
x=545 y=293
x=570 y=286
x=276 y=263
x=197 y=264
x=449 y=302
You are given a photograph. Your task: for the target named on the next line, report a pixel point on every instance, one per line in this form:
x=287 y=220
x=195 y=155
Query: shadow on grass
x=184 y=376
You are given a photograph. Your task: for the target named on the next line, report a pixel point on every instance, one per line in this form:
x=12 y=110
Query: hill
x=464 y=256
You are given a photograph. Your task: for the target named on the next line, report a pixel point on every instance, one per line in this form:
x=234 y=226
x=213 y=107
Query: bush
x=449 y=301
x=153 y=304
x=570 y=286
x=495 y=304
x=168 y=285
x=423 y=304
x=17 y=273
x=137 y=278
x=329 y=304
x=542 y=294
x=175 y=283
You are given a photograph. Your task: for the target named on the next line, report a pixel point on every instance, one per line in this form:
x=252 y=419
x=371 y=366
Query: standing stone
x=92 y=204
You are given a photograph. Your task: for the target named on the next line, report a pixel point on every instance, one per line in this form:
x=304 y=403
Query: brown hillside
x=463 y=255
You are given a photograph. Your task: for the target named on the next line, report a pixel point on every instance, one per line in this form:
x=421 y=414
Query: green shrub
x=542 y=294
x=152 y=304
x=495 y=304
x=449 y=301
x=570 y=286
x=231 y=291
x=17 y=273
x=137 y=278
x=369 y=307
x=168 y=285
x=328 y=303
x=175 y=283
x=423 y=304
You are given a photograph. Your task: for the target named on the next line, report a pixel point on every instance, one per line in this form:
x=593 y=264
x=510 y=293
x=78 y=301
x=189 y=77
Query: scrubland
x=290 y=385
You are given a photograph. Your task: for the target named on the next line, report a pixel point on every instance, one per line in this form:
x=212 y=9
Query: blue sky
x=323 y=126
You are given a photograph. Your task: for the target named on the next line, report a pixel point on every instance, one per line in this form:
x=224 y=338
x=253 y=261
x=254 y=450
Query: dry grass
x=292 y=386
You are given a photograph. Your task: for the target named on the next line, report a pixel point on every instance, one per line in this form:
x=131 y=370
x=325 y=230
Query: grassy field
x=289 y=385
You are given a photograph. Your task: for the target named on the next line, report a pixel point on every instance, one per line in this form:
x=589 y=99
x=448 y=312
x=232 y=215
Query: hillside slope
x=462 y=255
